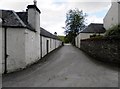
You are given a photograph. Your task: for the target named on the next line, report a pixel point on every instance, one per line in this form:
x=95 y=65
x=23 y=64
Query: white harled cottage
x=91 y=30
x=21 y=40
x=113 y=15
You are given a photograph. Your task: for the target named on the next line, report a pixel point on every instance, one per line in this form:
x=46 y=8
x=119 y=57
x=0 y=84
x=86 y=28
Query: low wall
x=104 y=49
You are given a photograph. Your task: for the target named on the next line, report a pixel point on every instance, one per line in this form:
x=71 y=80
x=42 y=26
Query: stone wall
x=104 y=49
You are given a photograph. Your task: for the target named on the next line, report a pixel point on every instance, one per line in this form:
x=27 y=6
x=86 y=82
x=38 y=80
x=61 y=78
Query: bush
x=113 y=31
x=66 y=40
x=97 y=36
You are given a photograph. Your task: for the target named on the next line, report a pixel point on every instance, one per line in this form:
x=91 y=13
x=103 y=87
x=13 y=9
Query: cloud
x=57 y=12
x=54 y=11
x=94 y=19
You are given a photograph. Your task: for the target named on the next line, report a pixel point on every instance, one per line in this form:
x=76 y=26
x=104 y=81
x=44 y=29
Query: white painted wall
x=53 y=44
x=15 y=49
x=82 y=36
x=44 y=48
x=34 y=19
x=112 y=17
x=32 y=47
x=85 y=35
x=77 y=40
x=23 y=47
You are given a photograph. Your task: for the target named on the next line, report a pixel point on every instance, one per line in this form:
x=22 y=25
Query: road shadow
x=108 y=65
x=30 y=68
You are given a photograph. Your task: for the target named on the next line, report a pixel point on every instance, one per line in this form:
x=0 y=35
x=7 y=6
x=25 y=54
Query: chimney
x=35 y=2
x=55 y=33
x=34 y=16
x=114 y=1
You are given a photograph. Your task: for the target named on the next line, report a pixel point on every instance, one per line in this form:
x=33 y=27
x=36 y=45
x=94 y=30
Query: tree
x=75 y=22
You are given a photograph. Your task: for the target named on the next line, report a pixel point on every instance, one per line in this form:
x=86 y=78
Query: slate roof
x=94 y=28
x=11 y=19
x=47 y=34
x=14 y=19
x=20 y=20
x=24 y=17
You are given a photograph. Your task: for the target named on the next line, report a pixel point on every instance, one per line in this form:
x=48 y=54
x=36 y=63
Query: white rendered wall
x=43 y=46
x=59 y=43
x=44 y=43
x=112 y=17
x=77 y=41
x=32 y=47
x=53 y=44
x=32 y=39
x=82 y=36
x=34 y=19
x=85 y=35
x=15 y=49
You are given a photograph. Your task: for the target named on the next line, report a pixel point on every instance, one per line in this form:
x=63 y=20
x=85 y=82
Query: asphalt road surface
x=65 y=67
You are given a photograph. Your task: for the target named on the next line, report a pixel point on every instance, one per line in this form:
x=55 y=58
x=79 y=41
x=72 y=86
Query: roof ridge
x=47 y=33
x=94 y=28
x=97 y=23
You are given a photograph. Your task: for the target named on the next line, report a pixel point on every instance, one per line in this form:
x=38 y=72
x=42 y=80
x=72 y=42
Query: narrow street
x=65 y=67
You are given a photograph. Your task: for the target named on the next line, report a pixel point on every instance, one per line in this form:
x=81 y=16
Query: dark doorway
x=47 y=46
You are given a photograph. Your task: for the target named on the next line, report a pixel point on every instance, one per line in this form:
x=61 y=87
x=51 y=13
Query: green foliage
x=113 y=31
x=61 y=38
x=75 y=21
x=97 y=37
x=66 y=40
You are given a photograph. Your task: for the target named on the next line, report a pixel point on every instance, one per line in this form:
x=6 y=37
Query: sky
x=53 y=12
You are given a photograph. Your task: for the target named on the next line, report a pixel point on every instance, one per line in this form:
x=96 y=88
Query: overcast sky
x=53 y=12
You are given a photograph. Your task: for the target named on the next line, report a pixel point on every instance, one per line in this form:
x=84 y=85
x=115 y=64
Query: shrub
x=113 y=31
x=98 y=36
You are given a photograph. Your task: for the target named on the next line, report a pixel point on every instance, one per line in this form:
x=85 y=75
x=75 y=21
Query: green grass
x=61 y=38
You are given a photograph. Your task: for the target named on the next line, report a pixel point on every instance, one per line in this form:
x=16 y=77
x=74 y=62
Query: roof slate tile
x=94 y=28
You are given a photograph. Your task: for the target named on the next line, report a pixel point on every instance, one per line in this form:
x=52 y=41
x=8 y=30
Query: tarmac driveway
x=65 y=67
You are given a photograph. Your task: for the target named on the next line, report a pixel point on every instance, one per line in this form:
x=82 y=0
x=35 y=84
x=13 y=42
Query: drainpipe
x=5 y=64
x=41 y=45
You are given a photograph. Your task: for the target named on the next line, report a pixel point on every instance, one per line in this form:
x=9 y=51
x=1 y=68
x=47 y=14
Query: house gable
x=112 y=16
